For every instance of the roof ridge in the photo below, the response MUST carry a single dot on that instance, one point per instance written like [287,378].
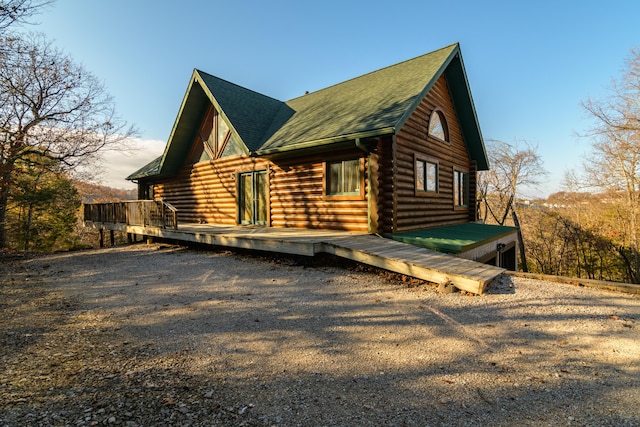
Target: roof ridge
[375,71]
[199,71]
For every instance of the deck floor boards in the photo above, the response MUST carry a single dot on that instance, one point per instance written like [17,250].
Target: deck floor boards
[366,248]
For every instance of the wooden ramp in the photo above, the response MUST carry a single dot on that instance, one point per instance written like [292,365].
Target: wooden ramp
[416,262]
[368,249]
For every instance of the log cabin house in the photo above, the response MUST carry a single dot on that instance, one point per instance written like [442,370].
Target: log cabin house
[393,152]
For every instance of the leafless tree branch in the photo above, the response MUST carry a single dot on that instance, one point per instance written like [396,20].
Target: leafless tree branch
[19,11]
[51,108]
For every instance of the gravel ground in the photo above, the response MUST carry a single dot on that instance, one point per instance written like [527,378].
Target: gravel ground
[160,335]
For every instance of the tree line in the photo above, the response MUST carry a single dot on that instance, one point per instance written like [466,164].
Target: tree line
[592,229]
[579,235]
[55,119]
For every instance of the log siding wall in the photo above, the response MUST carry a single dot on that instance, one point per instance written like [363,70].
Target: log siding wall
[387,202]
[206,192]
[298,200]
[414,211]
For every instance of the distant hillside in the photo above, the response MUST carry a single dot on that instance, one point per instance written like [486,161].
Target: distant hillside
[93,193]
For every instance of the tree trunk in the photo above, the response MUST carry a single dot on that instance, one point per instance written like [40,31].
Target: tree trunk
[508,207]
[523,256]
[5,181]
[27,227]
[3,215]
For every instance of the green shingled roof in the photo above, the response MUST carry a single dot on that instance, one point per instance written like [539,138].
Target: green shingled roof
[374,103]
[249,113]
[371,105]
[150,169]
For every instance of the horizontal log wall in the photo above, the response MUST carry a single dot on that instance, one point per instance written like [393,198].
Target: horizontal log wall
[207,192]
[419,211]
[297,196]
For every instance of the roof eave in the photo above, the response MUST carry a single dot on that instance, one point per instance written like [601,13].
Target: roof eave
[467,115]
[149,177]
[176,123]
[322,143]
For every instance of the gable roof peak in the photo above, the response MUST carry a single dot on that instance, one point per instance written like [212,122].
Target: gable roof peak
[204,76]
[247,112]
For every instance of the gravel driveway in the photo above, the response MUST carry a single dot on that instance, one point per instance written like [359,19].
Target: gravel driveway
[158,335]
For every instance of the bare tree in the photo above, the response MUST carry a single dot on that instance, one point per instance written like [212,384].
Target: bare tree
[18,11]
[513,166]
[614,164]
[50,109]
[620,111]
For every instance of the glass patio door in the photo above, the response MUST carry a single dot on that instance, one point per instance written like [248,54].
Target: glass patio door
[253,198]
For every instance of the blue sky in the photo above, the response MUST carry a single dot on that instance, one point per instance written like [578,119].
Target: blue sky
[529,64]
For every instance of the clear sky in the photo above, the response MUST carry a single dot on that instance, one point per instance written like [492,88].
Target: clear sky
[529,64]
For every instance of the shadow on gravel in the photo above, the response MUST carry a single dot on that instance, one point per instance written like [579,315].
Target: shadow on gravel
[501,285]
[180,337]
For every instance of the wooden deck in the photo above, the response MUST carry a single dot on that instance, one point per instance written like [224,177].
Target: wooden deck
[368,249]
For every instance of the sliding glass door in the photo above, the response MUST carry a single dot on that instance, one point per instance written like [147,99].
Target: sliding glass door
[253,198]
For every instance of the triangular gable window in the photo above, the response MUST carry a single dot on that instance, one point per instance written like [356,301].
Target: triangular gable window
[214,139]
[233,147]
[198,153]
[222,132]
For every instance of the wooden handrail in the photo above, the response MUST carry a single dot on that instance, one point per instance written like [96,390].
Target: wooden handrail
[172,220]
[153,213]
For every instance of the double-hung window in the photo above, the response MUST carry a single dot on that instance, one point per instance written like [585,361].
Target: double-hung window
[344,178]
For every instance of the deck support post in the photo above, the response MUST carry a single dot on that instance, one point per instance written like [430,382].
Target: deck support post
[112,237]
[101,238]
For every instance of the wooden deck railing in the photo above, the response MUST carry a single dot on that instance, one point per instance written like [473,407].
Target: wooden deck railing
[153,213]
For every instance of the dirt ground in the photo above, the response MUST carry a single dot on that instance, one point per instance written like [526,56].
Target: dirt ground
[160,335]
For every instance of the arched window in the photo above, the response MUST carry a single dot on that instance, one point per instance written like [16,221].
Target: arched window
[438,126]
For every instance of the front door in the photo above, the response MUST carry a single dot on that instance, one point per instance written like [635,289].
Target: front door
[253,198]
